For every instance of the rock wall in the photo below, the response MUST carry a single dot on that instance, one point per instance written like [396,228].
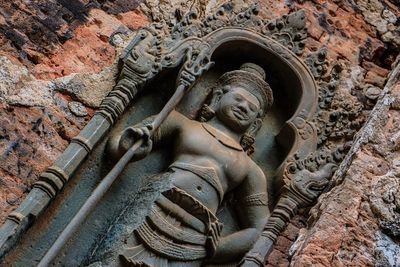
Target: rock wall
[59,60]
[357,222]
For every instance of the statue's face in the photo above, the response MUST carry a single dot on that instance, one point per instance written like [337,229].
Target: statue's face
[238,109]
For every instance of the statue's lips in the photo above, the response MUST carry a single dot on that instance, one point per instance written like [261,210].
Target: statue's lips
[239,114]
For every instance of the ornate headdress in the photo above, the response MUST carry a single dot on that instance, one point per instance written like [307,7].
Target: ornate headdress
[252,78]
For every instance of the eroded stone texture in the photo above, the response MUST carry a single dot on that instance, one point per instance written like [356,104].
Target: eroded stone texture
[31,138]
[57,38]
[90,89]
[357,223]
[387,252]
[281,254]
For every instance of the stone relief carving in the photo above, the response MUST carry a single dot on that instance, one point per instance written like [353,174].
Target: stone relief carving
[305,185]
[190,43]
[338,117]
[209,161]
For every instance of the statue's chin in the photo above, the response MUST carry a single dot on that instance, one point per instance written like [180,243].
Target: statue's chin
[233,123]
[238,128]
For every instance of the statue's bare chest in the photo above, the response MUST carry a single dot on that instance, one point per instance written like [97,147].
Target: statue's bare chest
[231,163]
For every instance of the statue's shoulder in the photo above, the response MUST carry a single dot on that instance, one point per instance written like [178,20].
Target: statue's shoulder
[177,119]
[182,120]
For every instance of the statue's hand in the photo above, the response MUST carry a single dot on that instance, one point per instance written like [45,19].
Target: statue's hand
[134,134]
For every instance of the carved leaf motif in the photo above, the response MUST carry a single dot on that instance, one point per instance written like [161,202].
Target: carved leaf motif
[289,30]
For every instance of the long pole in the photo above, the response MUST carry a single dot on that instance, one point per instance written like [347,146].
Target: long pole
[105,184]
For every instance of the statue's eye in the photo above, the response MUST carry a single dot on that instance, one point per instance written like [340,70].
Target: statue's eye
[253,108]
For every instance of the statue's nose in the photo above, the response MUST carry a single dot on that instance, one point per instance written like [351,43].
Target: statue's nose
[242,106]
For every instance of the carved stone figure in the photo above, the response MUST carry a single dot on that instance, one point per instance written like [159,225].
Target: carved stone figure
[297,148]
[210,159]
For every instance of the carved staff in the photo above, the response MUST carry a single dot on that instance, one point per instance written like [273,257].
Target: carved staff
[193,67]
[302,190]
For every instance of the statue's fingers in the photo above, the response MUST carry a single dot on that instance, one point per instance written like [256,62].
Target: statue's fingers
[138,132]
[146,133]
[149,146]
[214,229]
[131,132]
[150,127]
[218,228]
[209,241]
[214,244]
[214,236]
[210,235]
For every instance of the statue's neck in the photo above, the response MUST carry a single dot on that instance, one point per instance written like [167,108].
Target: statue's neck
[216,123]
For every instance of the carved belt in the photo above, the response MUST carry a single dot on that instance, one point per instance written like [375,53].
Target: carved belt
[177,227]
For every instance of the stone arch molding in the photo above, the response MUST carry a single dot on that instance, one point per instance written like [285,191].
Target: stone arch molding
[191,45]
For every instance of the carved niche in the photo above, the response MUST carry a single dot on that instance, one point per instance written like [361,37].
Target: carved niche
[290,147]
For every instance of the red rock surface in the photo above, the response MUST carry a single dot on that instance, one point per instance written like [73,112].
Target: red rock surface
[350,220]
[56,38]
[89,50]
[30,140]
[280,254]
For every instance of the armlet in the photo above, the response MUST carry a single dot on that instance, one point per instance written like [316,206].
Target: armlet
[259,199]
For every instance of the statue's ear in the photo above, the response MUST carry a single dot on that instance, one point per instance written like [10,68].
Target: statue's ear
[207,111]
[254,127]
[216,96]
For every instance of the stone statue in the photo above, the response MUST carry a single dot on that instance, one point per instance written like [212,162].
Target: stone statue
[210,159]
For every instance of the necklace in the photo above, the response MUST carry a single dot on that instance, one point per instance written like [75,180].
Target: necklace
[222,137]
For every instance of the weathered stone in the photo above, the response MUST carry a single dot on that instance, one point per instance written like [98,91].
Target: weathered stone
[375,13]
[90,89]
[282,244]
[18,87]
[77,108]
[373,78]
[369,66]
[350,238]
[277,258]
[387,251]
[372,92]
[10,75]
[30,140]
[291,232]
[48,35]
